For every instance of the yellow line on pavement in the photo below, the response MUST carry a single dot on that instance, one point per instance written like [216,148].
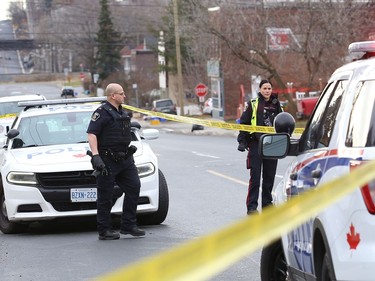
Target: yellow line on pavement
[228,178]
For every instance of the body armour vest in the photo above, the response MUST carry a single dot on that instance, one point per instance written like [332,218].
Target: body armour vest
[117,135]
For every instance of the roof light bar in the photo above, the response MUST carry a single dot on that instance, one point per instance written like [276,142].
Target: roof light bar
[61,101]
[365,46]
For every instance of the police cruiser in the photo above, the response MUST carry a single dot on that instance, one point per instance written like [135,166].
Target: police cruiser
[46,173]
[339,242]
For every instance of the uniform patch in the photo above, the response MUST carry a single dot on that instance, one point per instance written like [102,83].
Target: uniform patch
[95,116]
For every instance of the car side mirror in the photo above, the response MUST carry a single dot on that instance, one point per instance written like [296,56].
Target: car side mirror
[150,134]
[274,146]
[135,124]
[12,133]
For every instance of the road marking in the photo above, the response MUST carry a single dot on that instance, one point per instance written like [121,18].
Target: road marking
[233,179]
[205,155]
[228,178]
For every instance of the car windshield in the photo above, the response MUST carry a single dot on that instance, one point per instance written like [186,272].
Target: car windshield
[164,103]
[62,128]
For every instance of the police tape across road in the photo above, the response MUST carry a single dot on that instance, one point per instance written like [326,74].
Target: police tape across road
[204,257]
[208,123]
[189,120]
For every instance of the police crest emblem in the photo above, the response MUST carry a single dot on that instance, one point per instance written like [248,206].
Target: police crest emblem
[95,116]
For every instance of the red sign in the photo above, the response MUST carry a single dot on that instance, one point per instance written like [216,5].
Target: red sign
[201,90]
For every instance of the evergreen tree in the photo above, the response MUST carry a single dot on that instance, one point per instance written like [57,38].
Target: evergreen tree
[108,59]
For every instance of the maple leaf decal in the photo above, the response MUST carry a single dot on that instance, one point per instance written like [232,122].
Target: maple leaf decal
[80,155]
[353,238]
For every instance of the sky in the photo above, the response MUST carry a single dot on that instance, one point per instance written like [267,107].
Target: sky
[4,9]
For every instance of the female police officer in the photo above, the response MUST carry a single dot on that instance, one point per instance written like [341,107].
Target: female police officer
[259,112]
[109,136]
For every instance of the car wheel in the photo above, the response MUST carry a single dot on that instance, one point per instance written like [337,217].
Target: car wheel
[272,263]
[159,216]
[6,226]
[327,269]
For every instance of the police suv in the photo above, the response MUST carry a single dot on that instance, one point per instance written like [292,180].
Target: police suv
[339,242]
[46,173]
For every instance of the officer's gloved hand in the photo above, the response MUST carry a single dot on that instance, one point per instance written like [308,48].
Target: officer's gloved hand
[242,147]
[97,162]
[132,149]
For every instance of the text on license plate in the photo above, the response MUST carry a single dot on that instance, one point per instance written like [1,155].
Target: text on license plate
[83,195]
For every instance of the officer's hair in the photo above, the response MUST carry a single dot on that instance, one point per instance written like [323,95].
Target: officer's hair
[264,81]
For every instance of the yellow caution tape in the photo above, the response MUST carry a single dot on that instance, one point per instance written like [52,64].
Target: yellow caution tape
[8,115]
[208,123]
[202,258]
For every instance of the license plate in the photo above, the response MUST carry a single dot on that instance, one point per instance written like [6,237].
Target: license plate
[83,195]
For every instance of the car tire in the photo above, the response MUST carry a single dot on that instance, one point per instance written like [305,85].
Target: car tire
[6,226]
[273,265]
[159,216]
[327,273]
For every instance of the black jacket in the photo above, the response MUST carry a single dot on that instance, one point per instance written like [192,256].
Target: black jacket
[274,108]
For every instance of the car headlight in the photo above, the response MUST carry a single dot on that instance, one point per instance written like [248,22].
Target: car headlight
[145,170]
[23,178]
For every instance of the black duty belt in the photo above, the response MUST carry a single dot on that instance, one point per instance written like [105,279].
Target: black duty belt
[118,155]
[115,155]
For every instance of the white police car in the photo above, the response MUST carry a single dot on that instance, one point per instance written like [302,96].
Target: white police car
[339,242]
[46,174]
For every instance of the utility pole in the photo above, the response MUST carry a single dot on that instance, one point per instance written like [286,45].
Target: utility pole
[178,57]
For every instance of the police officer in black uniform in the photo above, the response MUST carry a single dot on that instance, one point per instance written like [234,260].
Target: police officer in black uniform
[259,112]
[109,135]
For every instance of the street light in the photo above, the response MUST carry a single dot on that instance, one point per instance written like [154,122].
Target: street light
[213,66]
[214,9]
[178,57]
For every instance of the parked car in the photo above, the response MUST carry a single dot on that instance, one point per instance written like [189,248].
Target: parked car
[207,107]
[68,91]
[47,175]
[164,106]
[9,109]
[339,242]
[305,107]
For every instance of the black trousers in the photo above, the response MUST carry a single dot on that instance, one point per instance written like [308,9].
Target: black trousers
[125,174]
[259,167]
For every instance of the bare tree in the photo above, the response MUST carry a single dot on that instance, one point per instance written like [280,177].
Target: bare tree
[70,30]
[319,33]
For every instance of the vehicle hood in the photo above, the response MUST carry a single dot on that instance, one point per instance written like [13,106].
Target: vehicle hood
[55,154]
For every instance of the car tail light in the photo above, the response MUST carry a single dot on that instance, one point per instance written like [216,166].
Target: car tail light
[368,190]
[368,193]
